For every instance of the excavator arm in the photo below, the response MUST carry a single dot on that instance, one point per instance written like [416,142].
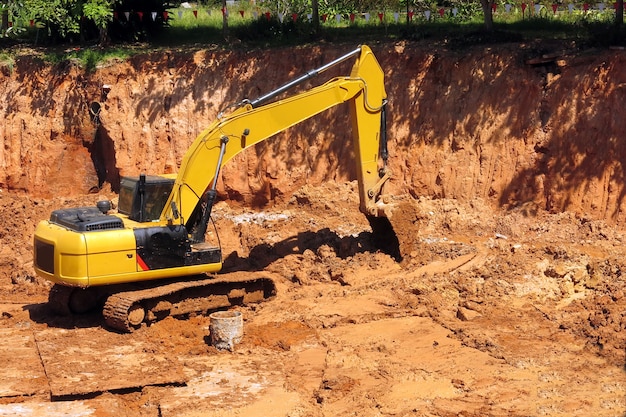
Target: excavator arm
[252,122]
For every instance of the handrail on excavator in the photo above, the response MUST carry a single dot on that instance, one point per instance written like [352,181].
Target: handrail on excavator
[310,74]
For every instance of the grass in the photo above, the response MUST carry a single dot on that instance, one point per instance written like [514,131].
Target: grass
[7,60]
[87,58]
[254,29]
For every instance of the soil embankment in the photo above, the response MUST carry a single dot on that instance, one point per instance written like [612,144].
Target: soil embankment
[510,303]
[478,123]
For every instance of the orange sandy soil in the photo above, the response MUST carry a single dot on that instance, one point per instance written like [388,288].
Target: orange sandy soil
[509,300]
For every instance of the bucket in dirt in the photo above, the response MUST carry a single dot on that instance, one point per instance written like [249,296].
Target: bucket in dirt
[226,329]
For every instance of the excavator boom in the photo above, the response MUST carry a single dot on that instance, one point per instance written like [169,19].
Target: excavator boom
[252,123]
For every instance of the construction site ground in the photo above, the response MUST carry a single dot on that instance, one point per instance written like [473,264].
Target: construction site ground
[494,309]
[490,314]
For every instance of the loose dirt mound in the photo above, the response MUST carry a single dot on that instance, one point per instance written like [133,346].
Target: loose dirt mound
[509,298]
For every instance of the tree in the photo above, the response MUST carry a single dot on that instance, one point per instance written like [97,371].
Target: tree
[65,18]
[224,20]
[4,26]
[315,16]
[10,11]
[101,12]
[488,14]
[71,20]
[56,15]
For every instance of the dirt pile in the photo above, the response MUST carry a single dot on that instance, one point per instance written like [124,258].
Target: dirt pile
[509,300]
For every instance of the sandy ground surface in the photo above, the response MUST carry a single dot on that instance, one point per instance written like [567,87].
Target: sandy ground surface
[509,299]
[517,313]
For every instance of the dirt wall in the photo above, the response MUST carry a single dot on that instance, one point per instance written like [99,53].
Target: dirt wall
[480,122]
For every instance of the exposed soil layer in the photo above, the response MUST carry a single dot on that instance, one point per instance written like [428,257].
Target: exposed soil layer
[509,298]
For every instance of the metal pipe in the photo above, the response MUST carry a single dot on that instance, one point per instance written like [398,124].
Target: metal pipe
[211,195]
[384,153]
[303,78]
[223,142]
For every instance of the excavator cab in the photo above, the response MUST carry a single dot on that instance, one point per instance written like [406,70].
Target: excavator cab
[143,198]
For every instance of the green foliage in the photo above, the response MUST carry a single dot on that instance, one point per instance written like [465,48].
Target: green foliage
[263,30]
[60,17]
[287,7]
[468,11]
[603,34]
[10,10]
[87,58]
[100,11]
[202,28]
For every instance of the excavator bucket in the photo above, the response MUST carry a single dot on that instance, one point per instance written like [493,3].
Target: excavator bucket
[384,236]
[396,233]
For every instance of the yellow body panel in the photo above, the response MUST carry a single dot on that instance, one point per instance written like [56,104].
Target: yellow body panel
[85,259]
[154,274]
[69,260]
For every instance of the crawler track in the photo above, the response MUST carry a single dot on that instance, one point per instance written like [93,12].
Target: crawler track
[127,308]
[59,300]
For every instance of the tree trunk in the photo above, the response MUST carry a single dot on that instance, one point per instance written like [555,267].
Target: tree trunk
[5,21]
[315,16]
[487,12]
[224,19]
[104,36]
[619,13]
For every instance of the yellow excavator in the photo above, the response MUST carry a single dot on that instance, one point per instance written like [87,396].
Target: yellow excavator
[151,258]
